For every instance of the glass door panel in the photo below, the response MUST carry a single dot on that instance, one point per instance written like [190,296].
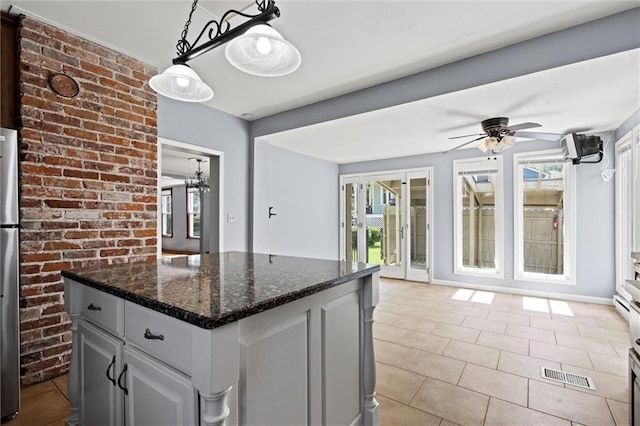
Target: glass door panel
[384,230]
[417,232]
[350,222]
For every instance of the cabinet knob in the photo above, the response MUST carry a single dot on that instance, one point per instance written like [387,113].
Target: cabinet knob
[93,307]
[149,335]
[637,341]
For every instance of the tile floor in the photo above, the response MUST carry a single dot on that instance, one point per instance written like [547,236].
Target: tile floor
[44,404]
[450,356]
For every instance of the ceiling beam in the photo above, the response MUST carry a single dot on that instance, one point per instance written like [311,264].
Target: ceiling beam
[602,37]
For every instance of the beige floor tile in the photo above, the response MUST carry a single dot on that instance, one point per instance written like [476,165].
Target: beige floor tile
[547,324]
[519,310]
[417,324]
[585,343]
[393,413]
[576,319]
[62,383]
[388,332]
[435,366]
[444,317]
[390,353]
[396,383]
[622,348]
[446,422]
[502,413]
[468,352]
[439,305]
[451,402]
[455,332]
[560,354]
[386,317]
[620,411]
[424,342]
[613,323]
[526,366]
[604,334]
[41,408]
[406,310]
[471,311]
[537,334]
[491,382]
[509,318]
[569,404]
[504,342]
[386,307]
[610,364]
[408,300]
[485,324]
[496,306]
[607,385]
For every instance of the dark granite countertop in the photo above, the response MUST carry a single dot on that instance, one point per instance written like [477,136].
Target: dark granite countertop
[212,290]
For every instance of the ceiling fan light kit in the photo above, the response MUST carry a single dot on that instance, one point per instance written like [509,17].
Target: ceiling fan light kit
[499,136]
[253,47]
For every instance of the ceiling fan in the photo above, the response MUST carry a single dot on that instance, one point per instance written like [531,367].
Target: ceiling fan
[498,135]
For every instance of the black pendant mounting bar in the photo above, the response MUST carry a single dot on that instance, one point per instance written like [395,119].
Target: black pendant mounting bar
[223,31]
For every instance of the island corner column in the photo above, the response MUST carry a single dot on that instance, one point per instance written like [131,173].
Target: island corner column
[370,294]
[216,370]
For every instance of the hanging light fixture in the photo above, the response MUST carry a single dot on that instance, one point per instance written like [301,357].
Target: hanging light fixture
[256,49]
[197,180]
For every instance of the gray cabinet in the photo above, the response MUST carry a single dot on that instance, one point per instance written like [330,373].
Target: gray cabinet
[121,384]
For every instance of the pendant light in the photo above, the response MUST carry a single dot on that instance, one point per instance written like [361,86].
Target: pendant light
[181,83]
[254,47]
[262,51]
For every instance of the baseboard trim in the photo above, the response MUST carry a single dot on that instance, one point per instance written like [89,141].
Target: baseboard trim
[524,292]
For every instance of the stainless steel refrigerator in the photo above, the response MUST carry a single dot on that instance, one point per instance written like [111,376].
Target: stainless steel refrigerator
[9,275]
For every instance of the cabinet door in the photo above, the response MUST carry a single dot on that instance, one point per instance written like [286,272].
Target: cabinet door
[101,402]
[156,394]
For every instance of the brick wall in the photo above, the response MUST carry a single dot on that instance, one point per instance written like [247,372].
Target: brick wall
[88,179]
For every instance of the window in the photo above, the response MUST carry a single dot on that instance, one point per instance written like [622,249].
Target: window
[544,217]
[193,213]
[478,216]
[167,213]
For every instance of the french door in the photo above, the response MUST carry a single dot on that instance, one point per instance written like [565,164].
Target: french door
[385,221]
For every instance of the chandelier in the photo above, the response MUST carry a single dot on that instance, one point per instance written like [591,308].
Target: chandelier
[197,180]
[253,47]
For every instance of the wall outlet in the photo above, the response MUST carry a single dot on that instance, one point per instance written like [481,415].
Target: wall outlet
[231,218]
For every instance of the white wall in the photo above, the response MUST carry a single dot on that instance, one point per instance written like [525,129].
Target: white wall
[594,223]
[303,192]
[203,126]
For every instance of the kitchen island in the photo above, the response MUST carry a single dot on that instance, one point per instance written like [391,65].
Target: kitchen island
[225,338]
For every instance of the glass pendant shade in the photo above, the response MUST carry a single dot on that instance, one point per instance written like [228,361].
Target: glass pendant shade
[262,51]
[181,83]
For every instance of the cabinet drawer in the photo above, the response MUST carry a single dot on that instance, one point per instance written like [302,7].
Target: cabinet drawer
[101,308]
[167,339]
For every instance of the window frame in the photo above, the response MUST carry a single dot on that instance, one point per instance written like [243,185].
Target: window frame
[163,193]
[191,215]
[569,220]
[479,165]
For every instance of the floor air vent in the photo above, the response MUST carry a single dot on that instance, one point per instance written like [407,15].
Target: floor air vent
[568,378]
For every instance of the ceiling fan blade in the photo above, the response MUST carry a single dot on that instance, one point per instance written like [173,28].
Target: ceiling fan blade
[466,143]
[468,136]
[541,136]
[522,126]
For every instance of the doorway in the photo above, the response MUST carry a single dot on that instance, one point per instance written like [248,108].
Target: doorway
[184,228]
[385,220]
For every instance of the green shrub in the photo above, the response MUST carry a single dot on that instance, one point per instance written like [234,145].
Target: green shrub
[373,236]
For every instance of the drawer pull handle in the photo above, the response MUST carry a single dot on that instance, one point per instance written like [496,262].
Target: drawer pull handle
[112,365]
[120,377]
[149,335]
[93,307]
[637,341]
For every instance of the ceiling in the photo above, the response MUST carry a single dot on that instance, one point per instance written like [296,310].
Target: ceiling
[350,45]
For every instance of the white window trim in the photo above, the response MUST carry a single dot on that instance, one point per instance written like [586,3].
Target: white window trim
[164,193]
[569,277]
[191,215]
[479,164]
